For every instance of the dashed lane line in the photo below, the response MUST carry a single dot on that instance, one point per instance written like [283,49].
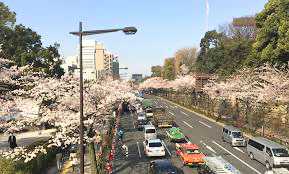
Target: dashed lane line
[239,149]
[237,157]
[138,149]
[208,147]
[171,113]
[184,113]
[166,148]
[188,124]
[205,124]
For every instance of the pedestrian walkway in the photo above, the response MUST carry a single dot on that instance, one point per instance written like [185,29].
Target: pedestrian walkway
[26,138]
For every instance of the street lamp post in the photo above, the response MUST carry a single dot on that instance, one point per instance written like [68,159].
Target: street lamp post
[80,33]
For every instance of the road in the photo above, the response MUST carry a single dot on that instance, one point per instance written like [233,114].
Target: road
[197,129]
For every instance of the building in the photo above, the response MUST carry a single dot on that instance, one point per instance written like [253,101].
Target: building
[137,77]
[97,62]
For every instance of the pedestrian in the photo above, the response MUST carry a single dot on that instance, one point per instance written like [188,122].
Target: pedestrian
[98,141]
[73,159]
[59,160]
[12,141]
[120,134]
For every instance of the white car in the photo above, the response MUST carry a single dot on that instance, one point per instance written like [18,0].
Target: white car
[154,147]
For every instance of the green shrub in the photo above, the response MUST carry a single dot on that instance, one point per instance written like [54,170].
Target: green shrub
[36,166]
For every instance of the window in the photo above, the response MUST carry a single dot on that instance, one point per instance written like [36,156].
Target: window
[256,145]
[150,131]
[281,152]
[268,151]
[237,135]
[190,151]
[156,144]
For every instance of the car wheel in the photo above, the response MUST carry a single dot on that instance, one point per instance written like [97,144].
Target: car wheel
[251,156]
[267,165]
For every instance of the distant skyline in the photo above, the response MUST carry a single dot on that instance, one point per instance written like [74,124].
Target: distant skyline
[163,26]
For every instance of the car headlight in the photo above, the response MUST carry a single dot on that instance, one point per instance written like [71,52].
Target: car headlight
[277,162]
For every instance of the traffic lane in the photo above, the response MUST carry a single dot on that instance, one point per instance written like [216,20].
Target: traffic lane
[212,135]
[194,120]
[137,162]
[174,158]
[216,136]
[209,149]
[133,163]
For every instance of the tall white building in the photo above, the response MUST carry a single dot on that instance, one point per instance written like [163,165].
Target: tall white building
[96,61]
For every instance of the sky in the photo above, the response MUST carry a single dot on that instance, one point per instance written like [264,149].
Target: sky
[163,25]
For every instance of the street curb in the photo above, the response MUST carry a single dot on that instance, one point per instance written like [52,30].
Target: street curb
[200,115]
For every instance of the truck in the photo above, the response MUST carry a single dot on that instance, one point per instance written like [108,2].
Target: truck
[217,165]
[161,118]
[147,103]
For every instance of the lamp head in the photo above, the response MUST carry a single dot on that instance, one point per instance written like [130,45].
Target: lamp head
[129,30]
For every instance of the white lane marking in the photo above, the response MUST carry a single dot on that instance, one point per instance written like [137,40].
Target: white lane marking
[236,157]
[167,148]
[239,149]
[138,149]
[210,148]
[172,113]
[151,123]
[205,124]
[184,113]
[188,124]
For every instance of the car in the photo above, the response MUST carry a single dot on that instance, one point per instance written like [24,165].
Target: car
[189,154]
[150,132]
[162,167]
[154,147]
[175,135]
[140,123]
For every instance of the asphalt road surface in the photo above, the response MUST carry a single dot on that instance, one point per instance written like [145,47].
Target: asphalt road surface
[198,130]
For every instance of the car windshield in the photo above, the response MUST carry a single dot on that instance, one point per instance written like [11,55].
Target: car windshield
[167,170]
[190,151]
[150,131]
[149,111]
[237,135]
[280,152]
[156,144]
[142,122]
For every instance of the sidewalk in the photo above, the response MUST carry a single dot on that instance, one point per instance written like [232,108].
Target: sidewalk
[67,168]
[26,138]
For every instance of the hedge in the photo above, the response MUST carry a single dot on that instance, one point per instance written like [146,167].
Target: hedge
[36,166]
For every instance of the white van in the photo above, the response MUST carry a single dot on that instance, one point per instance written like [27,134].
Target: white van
[268,152]
[233,136]
[150,132]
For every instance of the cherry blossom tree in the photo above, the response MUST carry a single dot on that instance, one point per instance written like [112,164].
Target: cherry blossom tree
[56,102]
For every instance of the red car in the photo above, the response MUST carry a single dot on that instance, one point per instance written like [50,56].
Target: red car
[189,154]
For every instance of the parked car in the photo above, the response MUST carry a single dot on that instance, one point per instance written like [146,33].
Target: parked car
[162,167]
[150,132]
[233,136]
[154,148]
[175,135]
[268,152]
[189,154]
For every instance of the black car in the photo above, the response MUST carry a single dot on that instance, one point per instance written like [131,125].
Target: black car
[140,123]
[162,167]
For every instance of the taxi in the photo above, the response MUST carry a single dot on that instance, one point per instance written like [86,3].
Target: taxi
[189,154]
